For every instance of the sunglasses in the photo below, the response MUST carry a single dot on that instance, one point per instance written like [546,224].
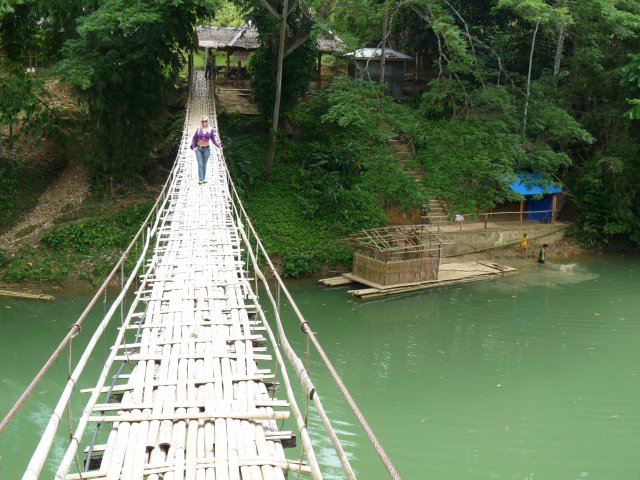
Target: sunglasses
[205,121]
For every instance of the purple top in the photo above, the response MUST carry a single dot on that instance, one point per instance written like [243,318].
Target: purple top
[209,136]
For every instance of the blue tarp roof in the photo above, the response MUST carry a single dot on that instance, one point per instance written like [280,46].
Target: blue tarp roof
[530,184]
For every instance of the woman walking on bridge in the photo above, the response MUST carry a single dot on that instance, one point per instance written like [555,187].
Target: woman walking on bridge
[200,145]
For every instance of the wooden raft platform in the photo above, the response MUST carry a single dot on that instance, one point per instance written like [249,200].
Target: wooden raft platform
[450,274]
[197,404]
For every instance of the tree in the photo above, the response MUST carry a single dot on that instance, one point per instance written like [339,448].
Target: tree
[537,12]
[286,54]
[17,94]
[631,80]
[124,61]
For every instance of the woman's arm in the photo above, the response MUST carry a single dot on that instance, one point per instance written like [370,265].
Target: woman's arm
[213,139]
[194,140]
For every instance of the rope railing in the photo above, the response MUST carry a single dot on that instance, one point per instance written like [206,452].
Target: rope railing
[252,255]
[46,441]
[304,325]
[296,364]
[44,446]
[76,327]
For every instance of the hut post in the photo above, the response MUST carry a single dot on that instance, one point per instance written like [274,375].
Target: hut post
[553,208]
[521,210]
[384,270]
[228,61]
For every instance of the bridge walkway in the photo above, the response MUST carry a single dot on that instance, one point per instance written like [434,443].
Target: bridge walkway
[188,388]
[194,364]
[196,404]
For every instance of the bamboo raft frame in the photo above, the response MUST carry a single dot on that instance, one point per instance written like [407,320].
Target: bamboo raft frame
[196,404]
[398,255]
[450,274]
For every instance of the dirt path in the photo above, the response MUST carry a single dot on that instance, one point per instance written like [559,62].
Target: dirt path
[65,194]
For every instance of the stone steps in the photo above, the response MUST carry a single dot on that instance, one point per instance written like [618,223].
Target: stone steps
[435,210]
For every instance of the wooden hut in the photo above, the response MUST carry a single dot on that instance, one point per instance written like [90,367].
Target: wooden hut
[367,62]
[239,42]
[398,255]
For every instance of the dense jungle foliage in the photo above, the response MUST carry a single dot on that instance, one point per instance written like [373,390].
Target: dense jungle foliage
[506,86]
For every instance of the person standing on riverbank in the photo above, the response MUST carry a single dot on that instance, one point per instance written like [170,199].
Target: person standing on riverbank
[542,253]
[210,67]
[524,241]
[200,145]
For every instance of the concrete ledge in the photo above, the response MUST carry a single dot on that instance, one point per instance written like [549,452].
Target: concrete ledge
[478,240]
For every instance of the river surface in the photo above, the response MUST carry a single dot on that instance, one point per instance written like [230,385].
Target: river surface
[530,377]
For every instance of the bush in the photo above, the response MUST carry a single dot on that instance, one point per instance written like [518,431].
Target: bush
[109,232]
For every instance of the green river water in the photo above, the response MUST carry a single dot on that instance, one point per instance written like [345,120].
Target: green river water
[530,377]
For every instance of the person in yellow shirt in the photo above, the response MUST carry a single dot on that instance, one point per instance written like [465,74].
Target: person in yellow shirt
[524,241]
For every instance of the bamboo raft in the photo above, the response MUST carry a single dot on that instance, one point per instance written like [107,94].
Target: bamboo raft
[197,401]
[450,274]
[28,296]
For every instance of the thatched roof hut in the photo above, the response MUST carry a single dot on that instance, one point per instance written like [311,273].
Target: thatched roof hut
[215,37]
[240,41]
[246,38]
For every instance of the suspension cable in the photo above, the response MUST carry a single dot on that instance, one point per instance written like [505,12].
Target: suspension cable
[304,325]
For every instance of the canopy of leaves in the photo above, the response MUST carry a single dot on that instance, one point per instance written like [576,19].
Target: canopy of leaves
[125,60]
[573,64]
[263,64]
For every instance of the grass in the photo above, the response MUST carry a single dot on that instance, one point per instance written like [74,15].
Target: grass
[299,234]
[198,60]
[89,248]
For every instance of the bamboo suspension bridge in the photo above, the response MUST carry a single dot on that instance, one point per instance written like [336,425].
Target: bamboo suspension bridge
[188,390]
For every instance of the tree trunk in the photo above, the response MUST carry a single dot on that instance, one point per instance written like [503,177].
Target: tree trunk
[385,23]
[276,107]
[526,103]
[559,48]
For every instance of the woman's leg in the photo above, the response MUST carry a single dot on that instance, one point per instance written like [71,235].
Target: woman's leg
[201,163]
[205,157]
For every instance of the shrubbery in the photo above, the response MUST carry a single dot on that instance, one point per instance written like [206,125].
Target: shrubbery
[96,244]
[114,231]
[329,179]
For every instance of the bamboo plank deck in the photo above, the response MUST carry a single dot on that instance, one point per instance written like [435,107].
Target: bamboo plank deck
[194,403]
[449,274]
